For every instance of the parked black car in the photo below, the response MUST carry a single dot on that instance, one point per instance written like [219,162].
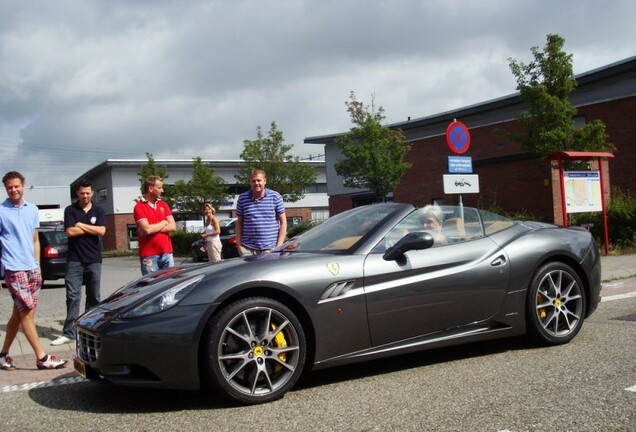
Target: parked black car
[53,250]
[228,240]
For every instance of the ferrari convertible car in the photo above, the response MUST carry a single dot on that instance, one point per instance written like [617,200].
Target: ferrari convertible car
[371,282]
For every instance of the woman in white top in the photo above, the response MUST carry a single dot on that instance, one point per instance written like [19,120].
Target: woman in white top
[211,239]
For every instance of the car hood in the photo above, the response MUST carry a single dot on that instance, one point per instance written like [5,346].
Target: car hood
[147,286]
[216,278]
[139,290]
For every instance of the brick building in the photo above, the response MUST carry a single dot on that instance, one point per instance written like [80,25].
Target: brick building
[508,177]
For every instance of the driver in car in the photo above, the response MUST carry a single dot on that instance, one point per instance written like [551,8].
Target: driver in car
[432,220]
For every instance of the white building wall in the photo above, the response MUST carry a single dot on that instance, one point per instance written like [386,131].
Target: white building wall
[50,196]
[126,189]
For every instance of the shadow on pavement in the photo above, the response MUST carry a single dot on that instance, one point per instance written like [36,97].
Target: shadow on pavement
[96,397]
[104,398]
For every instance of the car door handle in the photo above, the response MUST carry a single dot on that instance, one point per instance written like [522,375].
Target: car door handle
[499,261]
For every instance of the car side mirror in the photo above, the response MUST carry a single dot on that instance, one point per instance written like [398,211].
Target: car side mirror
[411,241]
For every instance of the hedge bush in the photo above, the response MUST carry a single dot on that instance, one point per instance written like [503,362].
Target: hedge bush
[181,242]
[294,230]
[621,220]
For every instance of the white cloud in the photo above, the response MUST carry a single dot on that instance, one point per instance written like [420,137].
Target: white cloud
[81,82]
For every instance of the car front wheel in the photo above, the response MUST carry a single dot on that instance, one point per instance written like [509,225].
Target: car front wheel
[556,304]
[255,350]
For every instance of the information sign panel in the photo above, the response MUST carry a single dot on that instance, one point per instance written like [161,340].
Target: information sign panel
[460,164]
[582,191]
[461,184]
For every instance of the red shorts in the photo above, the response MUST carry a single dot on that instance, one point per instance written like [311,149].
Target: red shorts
[24,287]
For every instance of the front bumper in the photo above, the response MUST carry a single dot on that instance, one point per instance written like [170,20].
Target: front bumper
[592,262]
[158,351]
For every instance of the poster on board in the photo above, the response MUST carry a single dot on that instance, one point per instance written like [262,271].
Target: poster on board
[582,191]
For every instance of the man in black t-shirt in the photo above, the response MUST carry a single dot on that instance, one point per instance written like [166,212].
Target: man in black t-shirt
[85,224]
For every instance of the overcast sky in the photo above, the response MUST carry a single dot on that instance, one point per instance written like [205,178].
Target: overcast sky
[82,81]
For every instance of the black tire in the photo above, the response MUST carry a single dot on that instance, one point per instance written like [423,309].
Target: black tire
[556,304]
[254,351]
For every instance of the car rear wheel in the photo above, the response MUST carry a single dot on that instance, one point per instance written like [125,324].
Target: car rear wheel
[255,350]
[556,304]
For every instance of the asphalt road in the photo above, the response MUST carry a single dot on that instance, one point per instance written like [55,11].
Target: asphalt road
[497,386]
[506,385]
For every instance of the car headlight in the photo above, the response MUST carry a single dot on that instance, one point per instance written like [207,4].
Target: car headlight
[165,300]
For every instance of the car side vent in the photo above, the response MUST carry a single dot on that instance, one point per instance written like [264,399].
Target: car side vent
[337,289]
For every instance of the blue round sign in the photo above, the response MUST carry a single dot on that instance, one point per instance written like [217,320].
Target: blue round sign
[458,137]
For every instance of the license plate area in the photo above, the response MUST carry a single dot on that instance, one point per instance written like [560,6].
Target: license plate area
[80,367]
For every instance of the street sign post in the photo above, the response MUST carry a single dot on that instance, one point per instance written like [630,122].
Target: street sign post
[458,140]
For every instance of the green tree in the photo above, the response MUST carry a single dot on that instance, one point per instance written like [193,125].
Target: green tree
[545,84]
[150,169]
[374,154]
[204,187]
[286,174]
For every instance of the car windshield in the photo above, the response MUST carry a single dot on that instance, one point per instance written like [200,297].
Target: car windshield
[226,222]
[342,231]
[455,224]
[229,229]
[56,237]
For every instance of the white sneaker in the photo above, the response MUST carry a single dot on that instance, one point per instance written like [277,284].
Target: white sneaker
[62,340]
[51,362]
[6,363]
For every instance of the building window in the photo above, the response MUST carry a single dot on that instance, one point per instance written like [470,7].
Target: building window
[102,194]
[579,122]
[316,188]
[319,215]
[131,236]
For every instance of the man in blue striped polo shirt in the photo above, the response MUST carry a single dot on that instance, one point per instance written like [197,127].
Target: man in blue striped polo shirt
[261,221]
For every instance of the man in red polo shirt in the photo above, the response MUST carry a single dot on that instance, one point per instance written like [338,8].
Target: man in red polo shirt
[154,223]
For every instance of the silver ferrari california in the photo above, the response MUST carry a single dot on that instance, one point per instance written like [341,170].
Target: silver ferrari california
[376,281]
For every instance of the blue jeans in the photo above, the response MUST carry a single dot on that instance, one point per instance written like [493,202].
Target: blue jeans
[153,263]
[77,274]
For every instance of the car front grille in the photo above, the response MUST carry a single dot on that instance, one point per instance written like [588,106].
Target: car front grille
[88,346]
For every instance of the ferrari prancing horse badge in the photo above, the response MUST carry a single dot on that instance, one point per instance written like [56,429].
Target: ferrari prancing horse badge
[334,268]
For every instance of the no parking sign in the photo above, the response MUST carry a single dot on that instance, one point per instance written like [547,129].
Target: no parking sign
[458,137]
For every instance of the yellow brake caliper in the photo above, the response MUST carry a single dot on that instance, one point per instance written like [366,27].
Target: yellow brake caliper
[542,312]
[279,342]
